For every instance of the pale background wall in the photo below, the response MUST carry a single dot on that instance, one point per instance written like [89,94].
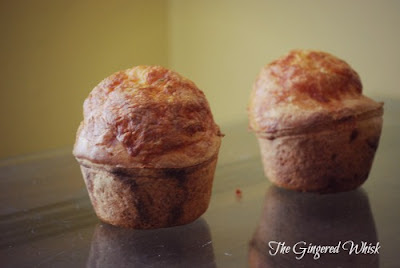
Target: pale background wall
[54,52]
[223,44]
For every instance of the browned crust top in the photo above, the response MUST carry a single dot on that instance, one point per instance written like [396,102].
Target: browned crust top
[147,116]
[304,88]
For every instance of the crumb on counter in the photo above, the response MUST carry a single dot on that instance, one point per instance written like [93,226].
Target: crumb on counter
[238,193]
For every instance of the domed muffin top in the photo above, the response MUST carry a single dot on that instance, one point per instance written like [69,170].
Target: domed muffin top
[304,88]
[147,116]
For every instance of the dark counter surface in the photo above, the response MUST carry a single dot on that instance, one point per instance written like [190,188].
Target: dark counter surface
[46,219]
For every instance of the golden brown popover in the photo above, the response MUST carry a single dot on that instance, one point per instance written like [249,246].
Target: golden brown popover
[148,147]
[317,131]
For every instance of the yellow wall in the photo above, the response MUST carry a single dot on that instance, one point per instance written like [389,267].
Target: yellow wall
[54,52]
[222,44]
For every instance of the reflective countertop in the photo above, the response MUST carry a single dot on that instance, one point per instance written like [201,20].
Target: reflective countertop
[46,219]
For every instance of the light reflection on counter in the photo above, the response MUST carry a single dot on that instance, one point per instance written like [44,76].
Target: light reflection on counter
[179,246]
[292,217]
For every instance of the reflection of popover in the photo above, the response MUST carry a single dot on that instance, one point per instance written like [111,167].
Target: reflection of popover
[182,246]
[304,220]
[148,147]
[316,130]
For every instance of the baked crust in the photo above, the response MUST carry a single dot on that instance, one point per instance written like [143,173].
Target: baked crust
[150,198]
[306,89]
[147,117]
[335,159]
[316,130]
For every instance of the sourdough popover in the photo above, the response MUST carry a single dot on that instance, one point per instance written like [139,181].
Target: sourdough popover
[148,146]
[316,130]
